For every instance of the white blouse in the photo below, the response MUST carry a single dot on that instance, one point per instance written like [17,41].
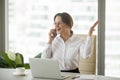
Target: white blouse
[68,53]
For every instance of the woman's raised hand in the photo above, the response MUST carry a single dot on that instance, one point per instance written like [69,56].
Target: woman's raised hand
[92,28]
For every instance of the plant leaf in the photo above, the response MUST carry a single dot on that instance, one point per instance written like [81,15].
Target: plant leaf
[11,55]
[27,66]
[19,60]
[10,63]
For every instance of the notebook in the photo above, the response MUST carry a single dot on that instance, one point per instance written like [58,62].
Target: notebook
[45,68]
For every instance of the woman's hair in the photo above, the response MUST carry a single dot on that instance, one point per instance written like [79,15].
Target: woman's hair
[66,18]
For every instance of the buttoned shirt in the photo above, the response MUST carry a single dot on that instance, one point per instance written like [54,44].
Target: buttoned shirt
[68,53]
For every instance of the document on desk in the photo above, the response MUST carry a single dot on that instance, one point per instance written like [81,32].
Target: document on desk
[82,79]
[85,77]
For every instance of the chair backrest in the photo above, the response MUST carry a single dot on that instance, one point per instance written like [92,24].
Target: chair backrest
[88,66]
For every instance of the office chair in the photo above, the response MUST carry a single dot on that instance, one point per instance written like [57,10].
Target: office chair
[88,66]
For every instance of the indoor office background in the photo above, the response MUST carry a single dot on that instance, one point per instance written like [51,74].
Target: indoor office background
[24,26]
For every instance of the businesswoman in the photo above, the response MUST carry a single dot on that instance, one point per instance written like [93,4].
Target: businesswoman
[65,46]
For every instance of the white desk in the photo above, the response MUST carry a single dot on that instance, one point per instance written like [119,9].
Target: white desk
[7,74]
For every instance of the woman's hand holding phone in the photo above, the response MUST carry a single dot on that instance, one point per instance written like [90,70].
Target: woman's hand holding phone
[52,35]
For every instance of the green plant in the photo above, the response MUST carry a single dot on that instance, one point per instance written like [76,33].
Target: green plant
[13,60]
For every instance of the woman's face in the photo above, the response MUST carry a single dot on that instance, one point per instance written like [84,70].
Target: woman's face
[60,26]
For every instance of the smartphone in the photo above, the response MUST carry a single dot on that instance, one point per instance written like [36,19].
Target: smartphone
[55,34]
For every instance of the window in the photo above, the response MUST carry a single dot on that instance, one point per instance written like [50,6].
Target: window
[112,41]
[29,22]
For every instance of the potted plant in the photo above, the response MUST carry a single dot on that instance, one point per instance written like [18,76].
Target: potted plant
[13,60]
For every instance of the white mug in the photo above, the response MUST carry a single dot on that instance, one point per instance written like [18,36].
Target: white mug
[20,70]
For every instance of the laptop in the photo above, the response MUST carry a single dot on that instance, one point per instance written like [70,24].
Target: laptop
[45,68]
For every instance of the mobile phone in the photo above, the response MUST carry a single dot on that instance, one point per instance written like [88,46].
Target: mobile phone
[55,34]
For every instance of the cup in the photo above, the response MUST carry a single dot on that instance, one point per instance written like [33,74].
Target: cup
[20,70]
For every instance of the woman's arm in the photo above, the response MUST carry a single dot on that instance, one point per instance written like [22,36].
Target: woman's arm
[47,53]
[86,47]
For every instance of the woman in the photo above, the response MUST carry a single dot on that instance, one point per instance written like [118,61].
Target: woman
[65,46]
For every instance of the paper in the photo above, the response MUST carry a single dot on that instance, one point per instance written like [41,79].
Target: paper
[85,77]
[82,79]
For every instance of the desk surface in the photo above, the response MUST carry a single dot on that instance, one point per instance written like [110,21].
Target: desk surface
[7,74]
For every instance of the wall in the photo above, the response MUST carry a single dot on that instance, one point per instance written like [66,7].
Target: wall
[2,25]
